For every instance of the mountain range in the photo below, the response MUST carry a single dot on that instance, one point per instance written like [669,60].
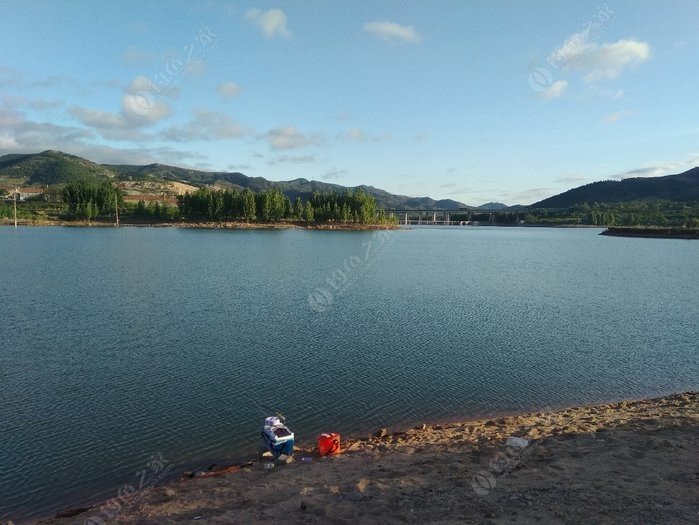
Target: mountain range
[55,167]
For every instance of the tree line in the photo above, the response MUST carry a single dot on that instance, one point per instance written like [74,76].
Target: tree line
[630,213]
[88,199]
[351,206]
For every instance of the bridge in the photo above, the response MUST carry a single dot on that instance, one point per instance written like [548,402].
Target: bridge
[444,217]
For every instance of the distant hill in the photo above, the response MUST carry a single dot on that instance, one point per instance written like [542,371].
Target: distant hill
[49,167]
[493,206]
[303,188]
[54,167]
[682,187]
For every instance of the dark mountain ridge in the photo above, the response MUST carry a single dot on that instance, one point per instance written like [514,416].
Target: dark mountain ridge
[683,187]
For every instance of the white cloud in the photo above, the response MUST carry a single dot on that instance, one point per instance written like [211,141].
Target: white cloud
[572,179]
[616,116]
[292,159]
[355,134]
[392,31]
[609,60]
[272,22]
[228,90]
[660,169]
[555,90]
[98,119]
[333,174]
[574,46]
[238,167]
[206,125]
[53,81]
[21,135]
[8,142]
[289,137]
[139,108]
[359,135]
[527,196]
[598,62]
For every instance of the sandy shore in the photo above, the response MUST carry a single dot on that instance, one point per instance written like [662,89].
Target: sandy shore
[628,462]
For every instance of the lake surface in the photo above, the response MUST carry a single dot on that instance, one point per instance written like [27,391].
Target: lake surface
[121,345]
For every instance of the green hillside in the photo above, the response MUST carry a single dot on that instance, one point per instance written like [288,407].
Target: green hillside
[681,188]
[48,168]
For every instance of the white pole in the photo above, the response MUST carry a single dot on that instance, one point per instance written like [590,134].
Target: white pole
[15,201]
[116,207]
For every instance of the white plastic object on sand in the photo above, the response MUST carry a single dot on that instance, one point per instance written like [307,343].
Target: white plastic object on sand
[516,442]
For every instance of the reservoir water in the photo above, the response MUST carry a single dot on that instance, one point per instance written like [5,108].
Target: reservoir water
[121,345]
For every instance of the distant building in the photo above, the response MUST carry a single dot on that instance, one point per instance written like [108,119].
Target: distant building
[25,193]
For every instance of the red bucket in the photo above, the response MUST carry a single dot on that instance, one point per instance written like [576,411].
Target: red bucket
[328,444]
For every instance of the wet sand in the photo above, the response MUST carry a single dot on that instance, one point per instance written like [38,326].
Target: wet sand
[627,462]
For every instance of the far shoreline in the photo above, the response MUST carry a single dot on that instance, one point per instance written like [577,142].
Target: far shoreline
[654,232]
[205,225]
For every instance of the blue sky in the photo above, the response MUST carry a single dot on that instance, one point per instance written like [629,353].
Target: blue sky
[474,101]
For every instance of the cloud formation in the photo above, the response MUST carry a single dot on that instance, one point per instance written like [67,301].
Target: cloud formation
[359,135]
[572,179]
[599,62]
[206,125]
[272,22]
[22,135]
[228,90]
[292,159]
[139,109]
[555,90]
[616,116]
[333,174]
[289,137]
[392,31]
[660,169]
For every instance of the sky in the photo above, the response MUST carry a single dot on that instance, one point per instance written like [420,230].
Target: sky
[472,101]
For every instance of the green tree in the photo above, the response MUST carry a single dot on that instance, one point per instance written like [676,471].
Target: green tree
[309,213]
[298,209]
[88,199]
[249,208]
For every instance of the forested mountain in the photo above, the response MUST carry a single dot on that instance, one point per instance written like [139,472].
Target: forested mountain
[683,187]
[55,167]
[49,167]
